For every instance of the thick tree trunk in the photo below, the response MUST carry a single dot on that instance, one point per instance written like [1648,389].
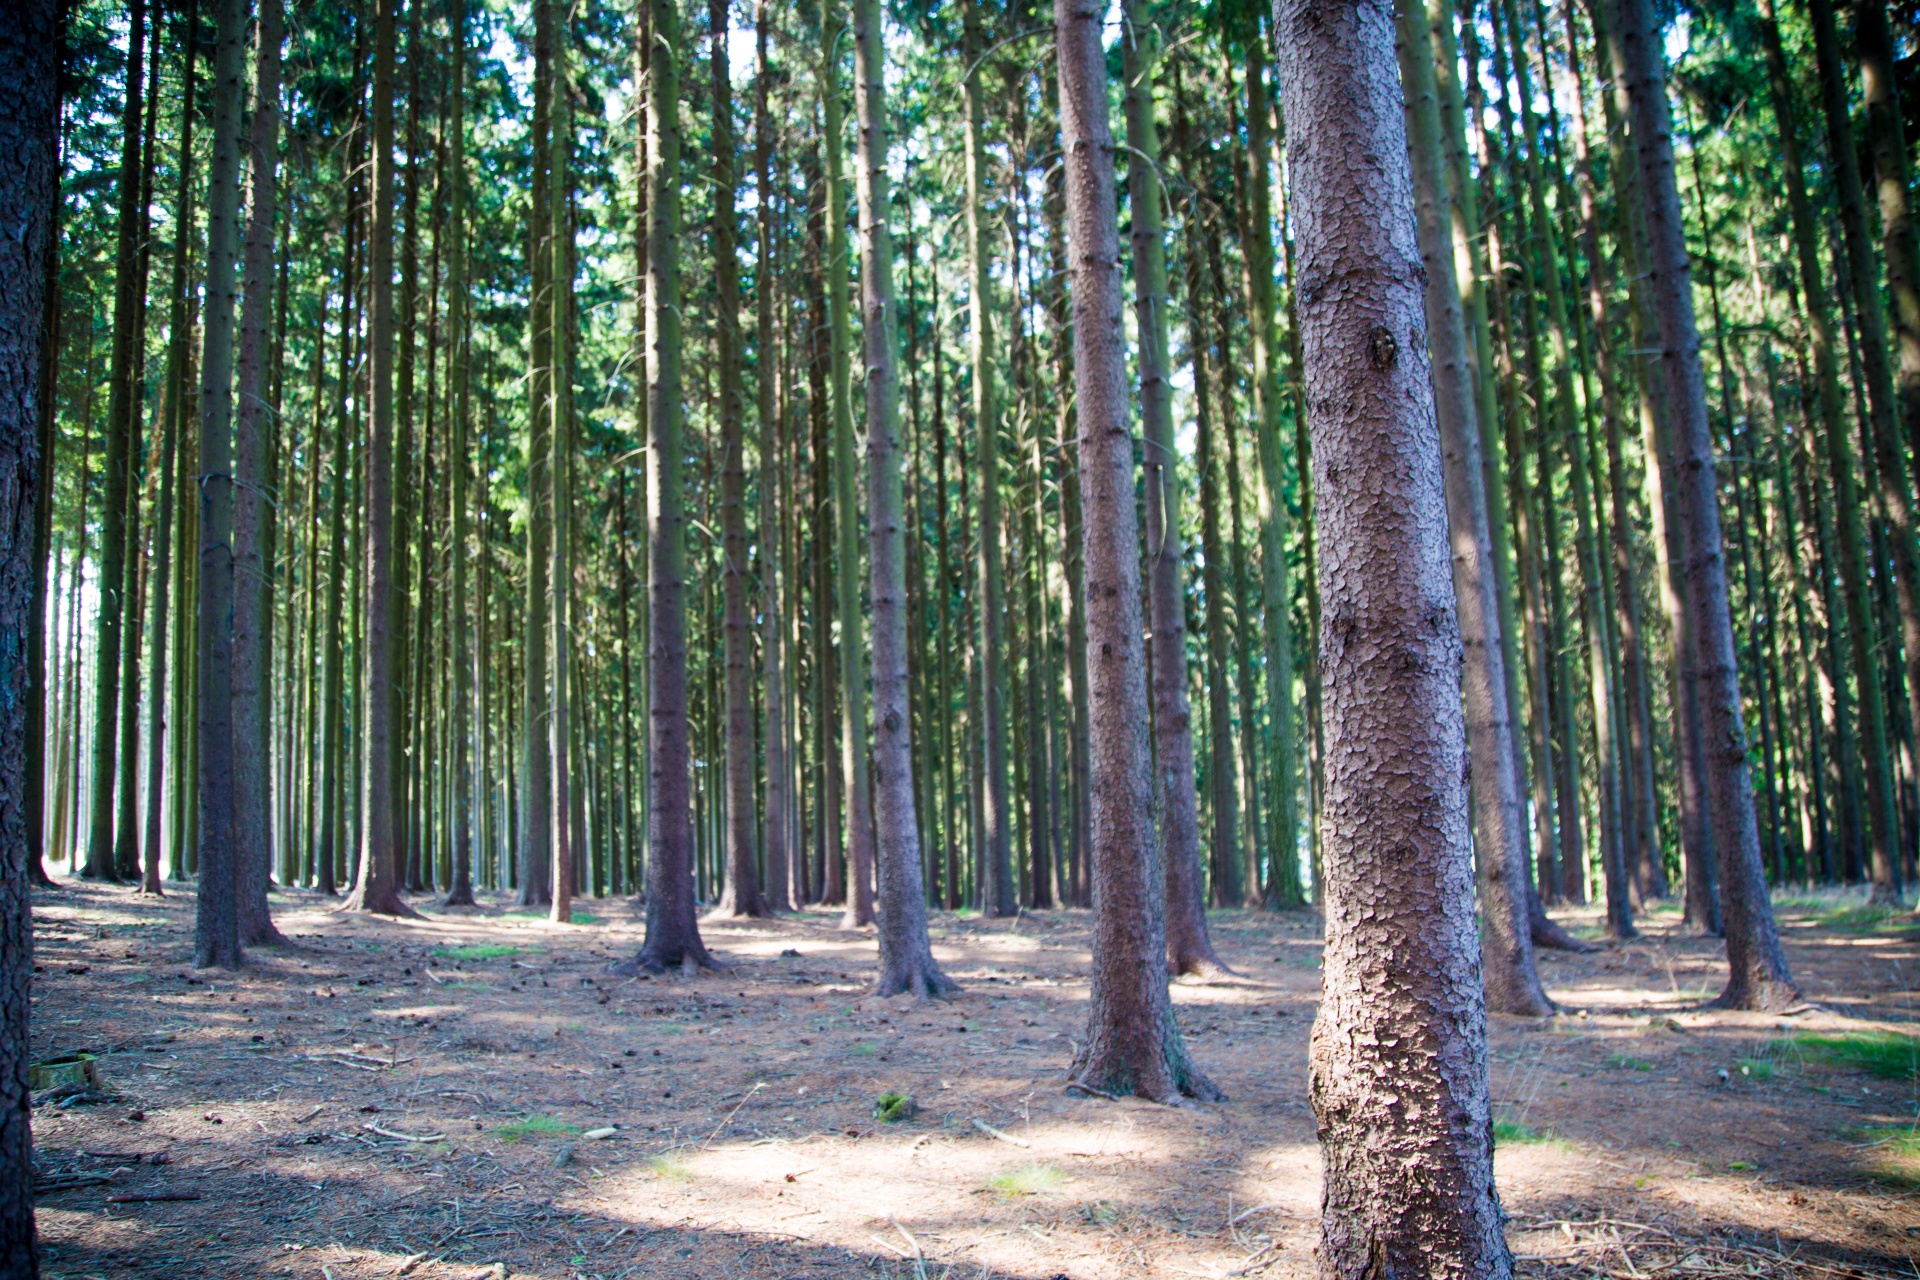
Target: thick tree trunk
[741,894]
[1499,823]
[906,953]
[1408,1182]
[377,886]
[253,508]
[996,889]
[1133,1045]
[673,932]
[216,924]
[1758,977]
[1189,947]
[30,41]
[536,758]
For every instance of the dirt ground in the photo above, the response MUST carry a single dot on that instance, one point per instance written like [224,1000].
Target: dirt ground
[469,1095]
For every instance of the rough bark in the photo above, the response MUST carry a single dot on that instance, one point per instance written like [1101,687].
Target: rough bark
[559,413]
[1758,977]
[1133,1045]
[466,660]
[906,953]
[1405,1131]
[673,932]
[1499,824]
[1189,946]
[536,774]
[29,208]
[779,884]
[254,507]
[216,938]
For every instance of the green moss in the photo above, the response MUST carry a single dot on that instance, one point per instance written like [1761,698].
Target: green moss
[891,1108]
[1886,1054]
[1626,1062]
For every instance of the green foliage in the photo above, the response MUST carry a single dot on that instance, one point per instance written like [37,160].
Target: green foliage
[1626,1062]
[1886,1054]
[892,1108]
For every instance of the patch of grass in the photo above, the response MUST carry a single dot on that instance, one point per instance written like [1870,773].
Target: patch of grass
[1755,1068]
[862,1047]
[1027,1180]
[1891,1155]
[1866,918]
[535,1127]
[1626,1062]
[481,951]
[1100,1212]
[1514,1131]
[669,1167]
[1886,1054]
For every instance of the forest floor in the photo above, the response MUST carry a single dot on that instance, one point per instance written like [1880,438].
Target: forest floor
[1637,1131]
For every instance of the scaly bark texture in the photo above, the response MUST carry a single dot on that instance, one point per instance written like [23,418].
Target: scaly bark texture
[1499,825]
[29,206]
[906,953]
[253,506]
[1189,946]
[673,932]
[1133,1045]
[1399,1057]
[1757,977]
[216,937]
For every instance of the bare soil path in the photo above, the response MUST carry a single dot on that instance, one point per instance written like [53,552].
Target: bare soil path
[469,1095]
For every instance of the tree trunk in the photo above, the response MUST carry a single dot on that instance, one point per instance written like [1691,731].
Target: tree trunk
[123,389]
[216,923]
[377,886]
[741,894]
[1133,1045]
[998,896]
[536,753]
[673,933]
[467,660]
[906,953]
[1758,976]
[1499,824]
[1408,1182]
[1189,946]
[253,509]
[31,38]
[562,827]
[779,890]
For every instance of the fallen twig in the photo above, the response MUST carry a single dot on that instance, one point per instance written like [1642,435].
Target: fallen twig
[149,1197]
[992,1132]
[370,1127]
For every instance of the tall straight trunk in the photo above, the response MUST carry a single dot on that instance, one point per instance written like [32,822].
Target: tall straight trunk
[1133,1045]
[1572,432]
[1758,977]
[852,645]
[1283,875]
[1883,831]
[563,827]
[467,710]
[216,938]
[775,847]
[1189,946]
[906,953]
[536,757]
[1228,887]
[253,507]
[333,679]
[1408,1181]
[1499,823]
[175,398]
[377,886]
[123,391]
[673,933]
[31,38]
[741,894]
[999,897]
